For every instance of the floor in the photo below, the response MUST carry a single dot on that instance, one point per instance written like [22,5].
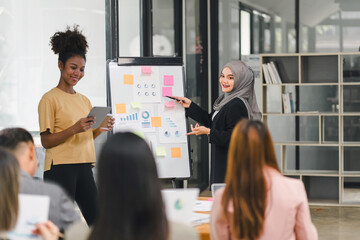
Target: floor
[332,223]
[335,223]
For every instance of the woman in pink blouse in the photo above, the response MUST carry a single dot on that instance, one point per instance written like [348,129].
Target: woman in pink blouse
[258,202]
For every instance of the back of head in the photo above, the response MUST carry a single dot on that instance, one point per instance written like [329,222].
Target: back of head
[130,203]
[69,43]
[9,190]
[251,150]
[11,138]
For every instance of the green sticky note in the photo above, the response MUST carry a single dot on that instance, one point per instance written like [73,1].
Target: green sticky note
[140,134]
[136,105]
[160,152]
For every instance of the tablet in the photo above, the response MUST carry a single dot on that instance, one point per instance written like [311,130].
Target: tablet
[100,114]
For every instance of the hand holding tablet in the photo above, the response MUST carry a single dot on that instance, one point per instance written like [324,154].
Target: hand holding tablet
[100,113]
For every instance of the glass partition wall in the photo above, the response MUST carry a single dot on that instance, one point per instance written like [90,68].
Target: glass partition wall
[329,26]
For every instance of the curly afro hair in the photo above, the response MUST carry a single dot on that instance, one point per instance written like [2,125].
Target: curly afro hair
[69,43]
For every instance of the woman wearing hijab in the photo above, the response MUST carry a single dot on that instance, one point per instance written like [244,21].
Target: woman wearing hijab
[237,101]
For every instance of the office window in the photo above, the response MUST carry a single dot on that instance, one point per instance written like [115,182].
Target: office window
[28,67]
[245,33]
[327,38]
[331,27]
[229,29]
[163,28]
[129,28]
[196,70]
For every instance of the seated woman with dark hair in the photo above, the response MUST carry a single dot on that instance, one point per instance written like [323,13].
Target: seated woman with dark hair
[130,204]
[257,201]
[9,201]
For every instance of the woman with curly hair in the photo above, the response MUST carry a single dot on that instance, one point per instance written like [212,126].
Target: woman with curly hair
[65,130]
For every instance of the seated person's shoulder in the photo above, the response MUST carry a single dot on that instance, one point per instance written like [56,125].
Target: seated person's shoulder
[77,231]
[36,186]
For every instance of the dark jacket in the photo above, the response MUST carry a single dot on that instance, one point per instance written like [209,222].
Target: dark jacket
[220,133]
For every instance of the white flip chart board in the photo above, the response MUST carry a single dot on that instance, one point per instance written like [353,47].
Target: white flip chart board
[136,93]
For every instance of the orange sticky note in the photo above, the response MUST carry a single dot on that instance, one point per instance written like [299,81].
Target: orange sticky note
[176,152]
[128,79]
[156,121]
[120,108]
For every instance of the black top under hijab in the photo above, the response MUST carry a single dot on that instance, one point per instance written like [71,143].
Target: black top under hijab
[221,128]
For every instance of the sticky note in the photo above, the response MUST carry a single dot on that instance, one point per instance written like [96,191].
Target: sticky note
[140,134]
[146,69]
[136,105]
[169,104]
[167,91]
[168,80]
[156,121]
[176,152]
[120,108]
[160,152]
[128,79]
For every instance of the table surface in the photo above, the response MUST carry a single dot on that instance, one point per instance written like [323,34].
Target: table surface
[203,229]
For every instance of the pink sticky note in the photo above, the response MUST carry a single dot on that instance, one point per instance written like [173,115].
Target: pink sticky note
[169,104]
[146,69]
[168,80]
[167,91]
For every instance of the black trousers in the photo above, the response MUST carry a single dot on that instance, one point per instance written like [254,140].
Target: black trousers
[78,181]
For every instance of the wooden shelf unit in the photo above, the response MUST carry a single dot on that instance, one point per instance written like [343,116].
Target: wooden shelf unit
[318,143]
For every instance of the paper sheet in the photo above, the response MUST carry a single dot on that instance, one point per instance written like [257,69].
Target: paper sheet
[203,206]
[33,209]
[147,89]
[200,218]
[173,127]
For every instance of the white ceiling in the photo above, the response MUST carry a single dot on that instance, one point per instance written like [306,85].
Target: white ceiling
[312,12]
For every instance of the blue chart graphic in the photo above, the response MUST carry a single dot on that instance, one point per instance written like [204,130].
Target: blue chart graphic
[145,119]
[130,117]
[170,122]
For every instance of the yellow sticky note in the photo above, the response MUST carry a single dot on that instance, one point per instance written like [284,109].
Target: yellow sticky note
[156,121]
[136,105]
[128,79]
[160,152]
[176,152]
[140,134]
[120,108]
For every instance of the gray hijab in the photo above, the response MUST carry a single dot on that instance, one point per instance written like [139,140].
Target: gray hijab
[243,89]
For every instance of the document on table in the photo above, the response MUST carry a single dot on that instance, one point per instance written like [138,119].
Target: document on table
[33,209]
[200,218]
[203,206]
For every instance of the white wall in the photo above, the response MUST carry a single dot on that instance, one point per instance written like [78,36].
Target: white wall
[28,67]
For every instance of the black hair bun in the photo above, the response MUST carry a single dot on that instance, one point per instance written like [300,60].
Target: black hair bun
[69,41]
